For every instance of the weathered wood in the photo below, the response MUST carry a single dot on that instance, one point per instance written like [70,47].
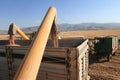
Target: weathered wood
[64,63]
[71,43]
[82,50]
[57,52]
[3,69]
[48,67]
[54,33]
[21,42]
[2,48]
[54,67]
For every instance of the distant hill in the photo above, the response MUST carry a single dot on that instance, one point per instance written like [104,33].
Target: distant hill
[81,26]
[3,32]
[30,29]
[89,26]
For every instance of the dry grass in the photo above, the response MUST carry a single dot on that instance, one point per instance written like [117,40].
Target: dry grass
[81,33]
[4,37]
[90,33]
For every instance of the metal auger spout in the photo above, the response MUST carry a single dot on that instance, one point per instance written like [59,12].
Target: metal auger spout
[12,31]
[32,60]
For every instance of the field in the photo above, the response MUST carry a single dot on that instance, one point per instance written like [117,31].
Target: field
[90,33]
[82,33]
[4,37]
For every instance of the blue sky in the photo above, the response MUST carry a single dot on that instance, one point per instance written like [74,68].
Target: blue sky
[26,13]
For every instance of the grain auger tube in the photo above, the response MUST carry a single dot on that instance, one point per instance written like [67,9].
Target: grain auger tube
[28,70]
[12,31]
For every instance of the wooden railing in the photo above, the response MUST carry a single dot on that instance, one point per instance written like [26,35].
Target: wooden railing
[82,64]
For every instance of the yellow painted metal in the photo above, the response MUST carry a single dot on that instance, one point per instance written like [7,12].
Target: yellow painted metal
[22,34]
[31,63]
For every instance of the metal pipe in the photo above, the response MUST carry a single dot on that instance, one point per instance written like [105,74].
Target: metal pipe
[30,66]
[54,33]
[12,31]
[21,32]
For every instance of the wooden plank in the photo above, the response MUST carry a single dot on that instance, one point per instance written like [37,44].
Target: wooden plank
[3,69]
[20,42]
[73,74]
[20,50]
[4,42]
[41,75]
[72,53]
[82,50]
[73,65]
[68,42]
[53,67]
[56,52]
[20,47]
[55,78]
[48,67]
[56,75]
[2,48]
[71,42]
[50,75]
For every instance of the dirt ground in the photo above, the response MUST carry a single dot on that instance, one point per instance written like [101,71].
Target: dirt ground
[100,70]
[103,70]
[91,33]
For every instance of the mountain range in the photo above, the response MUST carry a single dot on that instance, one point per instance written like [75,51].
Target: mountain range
[89,26]
[71,27]
[81,26]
